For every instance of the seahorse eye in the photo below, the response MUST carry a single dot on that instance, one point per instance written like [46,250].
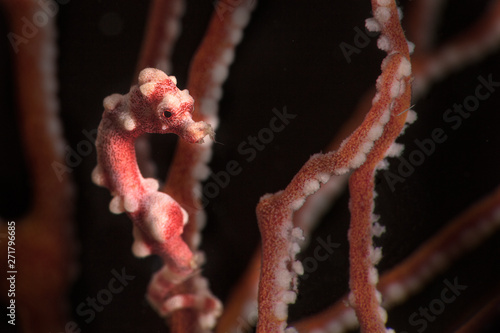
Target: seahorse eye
[164,110]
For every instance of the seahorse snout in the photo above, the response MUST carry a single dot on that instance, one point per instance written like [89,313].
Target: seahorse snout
[195,132]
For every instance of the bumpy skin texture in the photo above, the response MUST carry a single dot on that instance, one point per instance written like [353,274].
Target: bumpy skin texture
[155,105]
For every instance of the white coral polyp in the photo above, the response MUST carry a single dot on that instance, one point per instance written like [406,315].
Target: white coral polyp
[311,187]
[298,267]
[372,25]
[382,15]
[281,311]
[404,68]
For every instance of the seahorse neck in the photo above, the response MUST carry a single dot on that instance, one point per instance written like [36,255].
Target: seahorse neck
[118,160]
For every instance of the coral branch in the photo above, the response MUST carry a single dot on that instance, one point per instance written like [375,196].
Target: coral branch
[307,217]
[209,69]
[482,319]
[469,46]
[363,275]
[161,33]
[462,234]
[465,232]
[278,279]
[45,248]
[422,21]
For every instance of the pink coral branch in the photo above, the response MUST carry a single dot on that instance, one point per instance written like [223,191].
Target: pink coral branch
[463,233]
[422,21]
[244,296]
[45,247]
[209,69]
[362,256]
[161,33]
[240,303]
[363,275]
[469,46]
[438,254]
[482,319]
[382,125]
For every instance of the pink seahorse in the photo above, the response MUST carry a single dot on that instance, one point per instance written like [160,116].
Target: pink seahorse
[155,105]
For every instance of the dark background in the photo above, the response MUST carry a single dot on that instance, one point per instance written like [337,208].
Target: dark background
[290,56]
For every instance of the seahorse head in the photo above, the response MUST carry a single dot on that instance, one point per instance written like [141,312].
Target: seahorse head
[156,105]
